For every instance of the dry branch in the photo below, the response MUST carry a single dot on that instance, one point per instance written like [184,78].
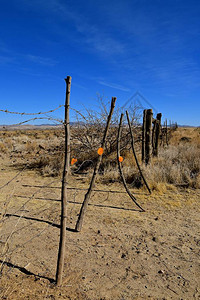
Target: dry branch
[134,153]
[119,165]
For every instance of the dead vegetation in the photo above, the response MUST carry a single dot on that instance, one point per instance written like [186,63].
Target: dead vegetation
[42,150]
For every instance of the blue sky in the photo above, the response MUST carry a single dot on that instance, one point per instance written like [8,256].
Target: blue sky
[113,48]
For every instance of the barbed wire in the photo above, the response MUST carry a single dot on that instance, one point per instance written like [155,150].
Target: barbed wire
[51,223]
[41,118]
[7,215]
[30,114]
[33,195]
[7,183]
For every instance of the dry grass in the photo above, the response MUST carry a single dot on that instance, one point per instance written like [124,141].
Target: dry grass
[178,164]
[186,135]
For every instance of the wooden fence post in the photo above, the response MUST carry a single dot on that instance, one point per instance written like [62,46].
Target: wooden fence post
[166,134]
[154,121]
[61,251]
[96,169]
[144,134]
[157,134]
[148,142]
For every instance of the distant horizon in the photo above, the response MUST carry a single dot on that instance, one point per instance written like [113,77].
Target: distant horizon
[73,123]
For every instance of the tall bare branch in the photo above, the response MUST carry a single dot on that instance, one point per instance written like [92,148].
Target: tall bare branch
[88,194]
[119,165]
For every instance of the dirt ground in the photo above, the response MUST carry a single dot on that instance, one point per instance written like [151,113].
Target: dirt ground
[121,253]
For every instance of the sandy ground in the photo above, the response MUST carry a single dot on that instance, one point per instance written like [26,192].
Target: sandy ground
[121,253]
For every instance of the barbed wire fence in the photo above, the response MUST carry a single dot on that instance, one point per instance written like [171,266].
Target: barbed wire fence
[7,215]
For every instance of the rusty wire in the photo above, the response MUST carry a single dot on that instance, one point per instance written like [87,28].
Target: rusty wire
[30,114]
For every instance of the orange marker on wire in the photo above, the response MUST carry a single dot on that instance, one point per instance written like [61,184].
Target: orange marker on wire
[73,161]
[100,151]
[121,159]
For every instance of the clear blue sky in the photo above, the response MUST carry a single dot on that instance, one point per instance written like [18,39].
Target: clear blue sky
[112,47]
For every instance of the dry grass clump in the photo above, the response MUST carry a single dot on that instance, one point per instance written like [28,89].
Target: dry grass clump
[31,142]
[186,135]
[178,165]
[48,165]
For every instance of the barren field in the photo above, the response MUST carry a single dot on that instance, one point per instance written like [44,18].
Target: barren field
[121,253]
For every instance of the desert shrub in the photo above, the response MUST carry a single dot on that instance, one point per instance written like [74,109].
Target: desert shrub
[48,165]
[176,165]
[88,133]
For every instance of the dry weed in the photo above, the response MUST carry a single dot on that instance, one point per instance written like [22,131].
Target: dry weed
[178,164]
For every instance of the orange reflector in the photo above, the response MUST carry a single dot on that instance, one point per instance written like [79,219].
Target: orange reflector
[73,161]
[121,159]
[100,151]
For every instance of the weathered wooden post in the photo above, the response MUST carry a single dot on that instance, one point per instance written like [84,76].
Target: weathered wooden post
[144,134]
[96,169]
[154,121]
[166,134]
[61,251]
[157,133]
[148,146]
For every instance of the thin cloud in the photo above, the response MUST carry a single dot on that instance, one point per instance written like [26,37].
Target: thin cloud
[92,37]
[115,86]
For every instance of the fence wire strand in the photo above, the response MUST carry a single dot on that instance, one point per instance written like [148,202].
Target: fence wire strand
[30,114]
[41,118]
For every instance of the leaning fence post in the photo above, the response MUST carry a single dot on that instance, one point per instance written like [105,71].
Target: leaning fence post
[148,146]
[61,251]
[96,169]
[144,134]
